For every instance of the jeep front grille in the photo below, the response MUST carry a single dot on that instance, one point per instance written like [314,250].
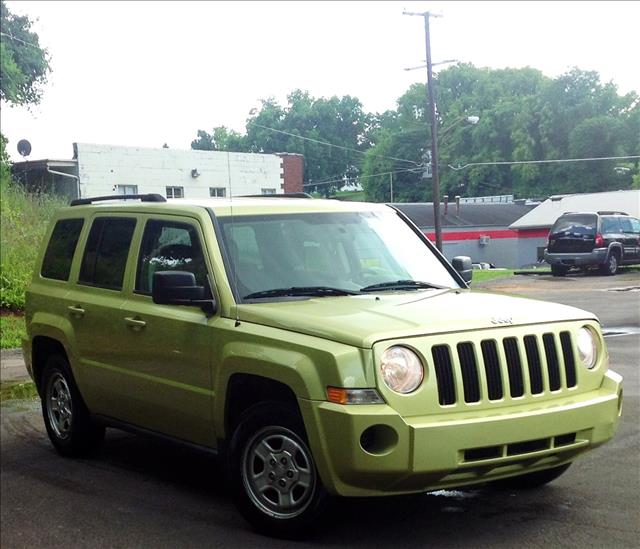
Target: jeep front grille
[509,366]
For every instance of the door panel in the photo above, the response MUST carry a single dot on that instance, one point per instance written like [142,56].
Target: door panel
[92,306]
[168,371]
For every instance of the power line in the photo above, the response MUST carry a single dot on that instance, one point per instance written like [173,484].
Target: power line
[20,40]
[326,143]
[360,177]
[508,163]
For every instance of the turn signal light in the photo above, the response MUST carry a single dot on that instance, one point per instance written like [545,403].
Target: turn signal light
[338,395]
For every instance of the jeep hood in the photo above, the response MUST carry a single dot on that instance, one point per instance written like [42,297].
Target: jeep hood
[363,320]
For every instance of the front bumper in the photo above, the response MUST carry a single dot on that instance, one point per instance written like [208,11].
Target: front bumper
[424,453]
[596,257]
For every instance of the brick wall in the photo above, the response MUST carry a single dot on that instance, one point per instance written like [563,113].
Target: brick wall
[292,172]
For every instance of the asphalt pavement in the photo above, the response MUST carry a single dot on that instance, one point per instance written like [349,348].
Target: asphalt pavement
[145,493]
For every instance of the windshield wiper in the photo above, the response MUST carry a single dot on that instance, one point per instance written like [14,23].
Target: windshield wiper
[314,291]
[401,285]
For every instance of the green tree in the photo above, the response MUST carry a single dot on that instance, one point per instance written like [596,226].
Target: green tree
[24,64]
[222,139]
[524,115]
[340,121]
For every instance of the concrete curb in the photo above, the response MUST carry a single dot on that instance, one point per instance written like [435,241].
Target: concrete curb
[12,366]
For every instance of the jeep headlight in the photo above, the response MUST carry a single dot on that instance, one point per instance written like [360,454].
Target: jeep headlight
[587,347]
[401,369]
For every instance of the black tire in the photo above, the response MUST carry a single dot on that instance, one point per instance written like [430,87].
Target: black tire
[558,270]
[65,414]
[531,481]
[611,265]
[280,492]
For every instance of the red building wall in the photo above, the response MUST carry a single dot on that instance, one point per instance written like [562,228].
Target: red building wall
[292,172]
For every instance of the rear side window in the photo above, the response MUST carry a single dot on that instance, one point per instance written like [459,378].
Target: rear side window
[576,225]
[105,255]
[610,225]
[61,248]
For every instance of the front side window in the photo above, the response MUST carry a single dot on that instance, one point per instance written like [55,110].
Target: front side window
[627,225]
[175,192]
[169,246]
[350,251]
[106,252]
[61,248]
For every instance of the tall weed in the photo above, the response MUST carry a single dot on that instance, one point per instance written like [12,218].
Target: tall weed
[23,220]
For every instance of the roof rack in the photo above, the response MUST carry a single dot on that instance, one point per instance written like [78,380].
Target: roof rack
[612,213]
[281,195]
[152,197]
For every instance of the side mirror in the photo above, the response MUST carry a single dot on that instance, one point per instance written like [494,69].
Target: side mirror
[179,288]
[462,264]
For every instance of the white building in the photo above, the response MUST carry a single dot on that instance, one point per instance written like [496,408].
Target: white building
[101,170]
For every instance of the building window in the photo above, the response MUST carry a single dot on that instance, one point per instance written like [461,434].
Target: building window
[219,192]
[175,192]
[268,191]
[127,189]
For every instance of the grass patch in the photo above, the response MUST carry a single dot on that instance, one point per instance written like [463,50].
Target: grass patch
[18,390]
[350,196]
[12,329]
[23,221]
[482,275]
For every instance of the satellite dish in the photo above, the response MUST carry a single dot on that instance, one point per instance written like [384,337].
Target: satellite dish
[24,147]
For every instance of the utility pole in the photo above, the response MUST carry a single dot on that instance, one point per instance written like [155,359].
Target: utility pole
[434,129]
[391,185]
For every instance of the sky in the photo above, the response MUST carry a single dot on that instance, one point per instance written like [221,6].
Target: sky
[149,73]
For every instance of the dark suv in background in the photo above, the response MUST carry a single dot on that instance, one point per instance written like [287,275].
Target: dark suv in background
[605,240]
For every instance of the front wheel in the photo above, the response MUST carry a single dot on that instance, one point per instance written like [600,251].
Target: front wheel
[273,474]
[531,480]
[65,414]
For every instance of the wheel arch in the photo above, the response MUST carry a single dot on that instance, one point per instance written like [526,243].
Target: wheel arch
[245,390]
[42,347]
[615,248]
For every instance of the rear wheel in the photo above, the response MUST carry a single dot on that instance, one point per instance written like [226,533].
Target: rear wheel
[610,266]
[65,414]
[531,480]
[558,270]
[274,479]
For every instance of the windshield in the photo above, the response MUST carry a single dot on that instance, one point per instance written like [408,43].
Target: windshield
[334,252]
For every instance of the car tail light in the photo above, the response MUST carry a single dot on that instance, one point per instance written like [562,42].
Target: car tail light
[599,241]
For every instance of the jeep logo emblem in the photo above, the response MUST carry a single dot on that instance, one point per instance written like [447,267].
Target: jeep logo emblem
[501,320]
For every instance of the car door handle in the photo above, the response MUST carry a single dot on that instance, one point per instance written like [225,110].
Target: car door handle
[76,310]
[135,323]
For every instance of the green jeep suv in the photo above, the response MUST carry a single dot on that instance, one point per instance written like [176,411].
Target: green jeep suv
[322,347]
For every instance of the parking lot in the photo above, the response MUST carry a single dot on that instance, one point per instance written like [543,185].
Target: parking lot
[144,493]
